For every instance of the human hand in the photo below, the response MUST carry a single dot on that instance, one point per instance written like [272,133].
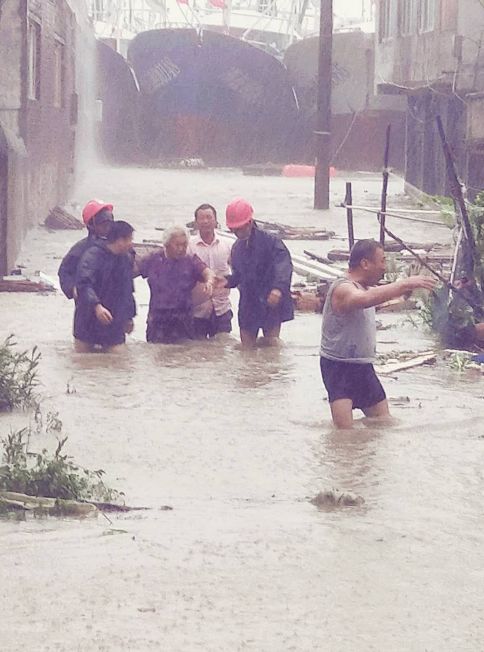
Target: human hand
[418,283]
[103,315]
[219,282]
[129,326]
[208,287]
[274,298]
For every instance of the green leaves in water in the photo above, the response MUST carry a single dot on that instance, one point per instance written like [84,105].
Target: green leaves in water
[53,475]
[18,376]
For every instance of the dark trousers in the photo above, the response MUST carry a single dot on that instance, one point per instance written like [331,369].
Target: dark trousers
[212,325]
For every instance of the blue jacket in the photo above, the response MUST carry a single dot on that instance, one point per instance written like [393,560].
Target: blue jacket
[261,264]
[103,277]
[68,267]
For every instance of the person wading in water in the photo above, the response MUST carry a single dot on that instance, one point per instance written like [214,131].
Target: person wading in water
[211,315]
[262,271]
[172,274]
[98,217]
[348,339]
[105,303]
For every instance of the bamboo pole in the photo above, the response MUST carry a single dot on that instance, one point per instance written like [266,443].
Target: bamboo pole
[349,215]
[384,192]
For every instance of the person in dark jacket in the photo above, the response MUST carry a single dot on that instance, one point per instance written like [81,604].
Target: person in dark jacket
[262,270]
[104,283]
[97,217]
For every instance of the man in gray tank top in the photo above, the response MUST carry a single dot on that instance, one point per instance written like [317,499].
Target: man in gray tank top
[348,337]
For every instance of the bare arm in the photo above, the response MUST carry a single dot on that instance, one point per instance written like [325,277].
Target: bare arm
[208,275]
[348,297]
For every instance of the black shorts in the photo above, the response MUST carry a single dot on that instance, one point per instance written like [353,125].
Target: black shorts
[213,325]
[355,381]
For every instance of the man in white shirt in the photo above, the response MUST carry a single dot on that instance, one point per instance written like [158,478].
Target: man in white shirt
[214,315]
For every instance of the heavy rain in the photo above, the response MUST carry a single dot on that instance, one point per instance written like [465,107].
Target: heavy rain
[257,524]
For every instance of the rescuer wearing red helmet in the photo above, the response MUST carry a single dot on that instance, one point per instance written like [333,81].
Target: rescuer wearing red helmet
[98,217]
[262,271]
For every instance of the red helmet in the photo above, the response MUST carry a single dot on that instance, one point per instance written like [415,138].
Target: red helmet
[238,213]
[92,208]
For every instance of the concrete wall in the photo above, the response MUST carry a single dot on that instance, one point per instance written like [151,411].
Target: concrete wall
[436,71]
[37,134]
[46,125]
[13,165]
[444,56]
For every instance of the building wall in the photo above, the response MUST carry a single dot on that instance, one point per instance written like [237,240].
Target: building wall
[11,39]
[38,112]
[444,50]
[13,167]
[436,69]
[46,121]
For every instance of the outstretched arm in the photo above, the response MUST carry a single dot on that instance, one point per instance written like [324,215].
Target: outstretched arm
[348,297]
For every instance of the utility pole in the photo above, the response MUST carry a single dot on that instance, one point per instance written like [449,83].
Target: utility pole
[323,115]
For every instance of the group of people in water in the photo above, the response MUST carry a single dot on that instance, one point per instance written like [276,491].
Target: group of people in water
[190,281]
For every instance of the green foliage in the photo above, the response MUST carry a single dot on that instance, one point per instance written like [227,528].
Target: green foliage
[50,475]
[46,474]
[459,361]
[423,315]
[476,216]
[394,269]
[18,376]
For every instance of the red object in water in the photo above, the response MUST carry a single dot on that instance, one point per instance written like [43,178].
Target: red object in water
[182,2]
[220,4]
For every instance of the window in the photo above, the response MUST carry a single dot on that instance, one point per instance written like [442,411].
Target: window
[407,17]
[33,90]
[427,15]
[98,9]
[59,71]
[386,19]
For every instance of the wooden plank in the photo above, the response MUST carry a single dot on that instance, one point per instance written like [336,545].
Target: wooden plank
[417,361]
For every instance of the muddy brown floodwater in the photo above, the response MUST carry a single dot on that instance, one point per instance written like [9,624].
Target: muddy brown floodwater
[238,443]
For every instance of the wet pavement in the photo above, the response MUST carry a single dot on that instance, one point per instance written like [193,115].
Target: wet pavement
[237,443]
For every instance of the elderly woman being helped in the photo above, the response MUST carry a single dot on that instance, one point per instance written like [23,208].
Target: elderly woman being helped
[172,275]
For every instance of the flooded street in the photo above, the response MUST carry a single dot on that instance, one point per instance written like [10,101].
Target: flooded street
[237,443]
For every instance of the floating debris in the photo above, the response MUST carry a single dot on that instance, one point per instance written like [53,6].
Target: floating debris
[333,498]
[393,362]
[286,232]
[60,219]
[19,283]
[41,506]
[398,305]
[263,170]
[308,300]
